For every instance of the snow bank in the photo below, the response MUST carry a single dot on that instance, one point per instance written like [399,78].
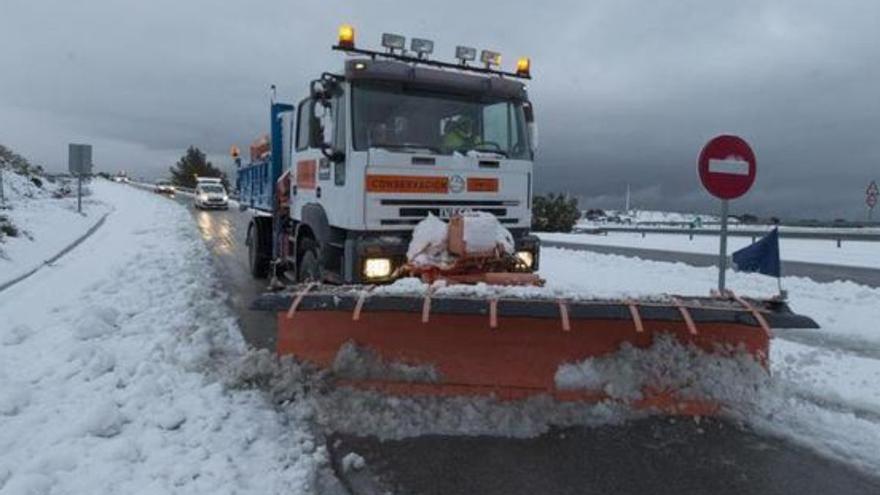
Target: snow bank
[119,382]
[727,376]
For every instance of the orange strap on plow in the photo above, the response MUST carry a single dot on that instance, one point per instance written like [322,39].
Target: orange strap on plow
[685,315]
[298,299]
[637,318]
[757,314]
[356,314]
[563,315]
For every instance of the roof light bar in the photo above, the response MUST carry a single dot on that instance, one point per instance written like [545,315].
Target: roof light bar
[395,45]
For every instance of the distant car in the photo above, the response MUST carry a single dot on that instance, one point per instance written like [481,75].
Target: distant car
[164,187]
[211,195]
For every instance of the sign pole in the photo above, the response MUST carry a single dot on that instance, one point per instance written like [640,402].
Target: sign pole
[2,194]
[722,255]
[79,193]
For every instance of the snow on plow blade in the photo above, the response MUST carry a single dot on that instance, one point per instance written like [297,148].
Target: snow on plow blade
[507,347]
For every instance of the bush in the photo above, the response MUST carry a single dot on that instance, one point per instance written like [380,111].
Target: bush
[7,228]
[554,213]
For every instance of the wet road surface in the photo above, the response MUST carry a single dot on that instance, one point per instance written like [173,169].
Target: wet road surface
[656,456]
[225,231]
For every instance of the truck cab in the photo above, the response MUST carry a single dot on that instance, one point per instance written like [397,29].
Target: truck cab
[377,148]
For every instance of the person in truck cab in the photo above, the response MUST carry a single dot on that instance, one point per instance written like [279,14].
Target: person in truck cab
[459,135]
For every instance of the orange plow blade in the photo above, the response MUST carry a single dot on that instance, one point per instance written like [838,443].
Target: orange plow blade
[510,348]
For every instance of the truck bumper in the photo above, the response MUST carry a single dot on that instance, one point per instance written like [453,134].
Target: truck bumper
[361,247]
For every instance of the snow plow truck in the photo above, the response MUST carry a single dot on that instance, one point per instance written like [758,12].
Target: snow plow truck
[400,158]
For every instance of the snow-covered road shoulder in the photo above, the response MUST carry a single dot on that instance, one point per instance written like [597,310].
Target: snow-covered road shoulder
[112,364]
[45,225]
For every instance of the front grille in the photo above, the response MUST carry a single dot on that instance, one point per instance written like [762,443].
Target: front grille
[413,221]
[423,212]
[447,202]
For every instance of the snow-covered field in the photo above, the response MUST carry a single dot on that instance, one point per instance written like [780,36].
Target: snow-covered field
[850,253]
[123,370]
[47,224]
[116,365]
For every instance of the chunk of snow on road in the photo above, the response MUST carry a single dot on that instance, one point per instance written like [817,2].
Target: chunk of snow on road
[102,420]
[361,363]
[15,334]
[727,376]
[91,325]
[353,462]
[13,398]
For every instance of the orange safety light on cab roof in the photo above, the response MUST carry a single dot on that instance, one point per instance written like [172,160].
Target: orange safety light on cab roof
[524,67]
[346,36]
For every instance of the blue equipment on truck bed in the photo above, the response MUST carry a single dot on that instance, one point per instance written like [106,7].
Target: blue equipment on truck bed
[256,180]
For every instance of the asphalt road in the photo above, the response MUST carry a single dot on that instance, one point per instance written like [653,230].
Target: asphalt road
[656,456]
[815,271]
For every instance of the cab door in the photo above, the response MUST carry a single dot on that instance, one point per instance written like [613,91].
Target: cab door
[305,189]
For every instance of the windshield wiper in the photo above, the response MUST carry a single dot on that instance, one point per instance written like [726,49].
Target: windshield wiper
[405,146]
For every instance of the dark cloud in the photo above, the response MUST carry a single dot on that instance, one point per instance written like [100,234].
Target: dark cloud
[626,91]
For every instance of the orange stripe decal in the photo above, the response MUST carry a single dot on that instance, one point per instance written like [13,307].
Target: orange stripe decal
[305,174]
[482,184]
[407,184]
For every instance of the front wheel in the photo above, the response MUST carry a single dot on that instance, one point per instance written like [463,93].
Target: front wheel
[259,245]
[309,266]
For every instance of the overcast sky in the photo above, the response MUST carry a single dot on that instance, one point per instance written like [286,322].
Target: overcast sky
[625,91]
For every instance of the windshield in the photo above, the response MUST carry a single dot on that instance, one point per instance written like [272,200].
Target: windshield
[212,189]
[410,120]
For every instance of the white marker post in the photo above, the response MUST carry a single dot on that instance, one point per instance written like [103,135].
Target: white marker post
[722,256]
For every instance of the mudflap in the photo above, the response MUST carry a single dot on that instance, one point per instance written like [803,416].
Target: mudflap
[513,348]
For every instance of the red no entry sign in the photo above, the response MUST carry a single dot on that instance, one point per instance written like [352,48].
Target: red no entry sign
[727,166]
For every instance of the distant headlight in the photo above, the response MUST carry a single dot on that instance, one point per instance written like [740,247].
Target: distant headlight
[526,257]
[377,268]
[203,197]
[225,198]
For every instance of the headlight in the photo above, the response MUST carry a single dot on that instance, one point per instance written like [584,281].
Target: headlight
[203,197]
[526,257]
[225,198]
[377,268]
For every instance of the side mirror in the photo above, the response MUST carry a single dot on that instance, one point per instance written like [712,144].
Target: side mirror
[533,136]
[529,113]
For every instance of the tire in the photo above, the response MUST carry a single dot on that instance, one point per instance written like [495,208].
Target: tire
[309,269]
[259,248]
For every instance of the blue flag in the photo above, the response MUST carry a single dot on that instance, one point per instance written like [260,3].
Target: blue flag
[761,257]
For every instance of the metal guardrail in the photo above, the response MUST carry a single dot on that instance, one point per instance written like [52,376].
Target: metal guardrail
[753,233]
